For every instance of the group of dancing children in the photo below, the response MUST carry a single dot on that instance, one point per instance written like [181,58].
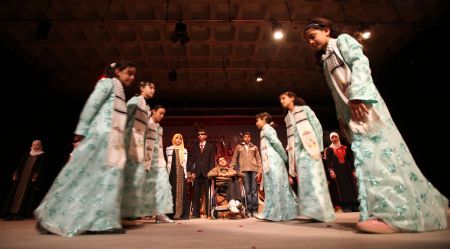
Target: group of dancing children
[118,171]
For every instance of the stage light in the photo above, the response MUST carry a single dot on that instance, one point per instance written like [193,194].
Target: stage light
[277,30]
[43,29]
[180,34]
[365,32]
[258,76]
[172,75]
[366,35]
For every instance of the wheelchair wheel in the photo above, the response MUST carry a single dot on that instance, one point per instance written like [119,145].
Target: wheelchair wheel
[214,214]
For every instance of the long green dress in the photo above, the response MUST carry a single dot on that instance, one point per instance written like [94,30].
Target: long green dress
[280,202]
[86,195]
[314,197]
[134,171]
[157,196]
[390,185]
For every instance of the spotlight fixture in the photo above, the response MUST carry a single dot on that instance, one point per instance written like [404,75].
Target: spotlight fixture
[366,35]
[277,30]
[180,33]
[364,32]
[258,76]
[172,75]
[43,29]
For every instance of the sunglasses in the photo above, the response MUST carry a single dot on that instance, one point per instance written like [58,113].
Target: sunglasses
[201,134]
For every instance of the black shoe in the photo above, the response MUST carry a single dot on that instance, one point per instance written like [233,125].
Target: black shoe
[195,217]
[8,218]
[184,218]
[110,231]
[41,229]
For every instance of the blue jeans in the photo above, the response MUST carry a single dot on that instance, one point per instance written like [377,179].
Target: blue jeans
[251,191]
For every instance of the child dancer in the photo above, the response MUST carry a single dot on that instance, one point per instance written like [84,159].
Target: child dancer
[134,172]
[280,202]
[305,143]
[157,196]
[393,193]
[86,195]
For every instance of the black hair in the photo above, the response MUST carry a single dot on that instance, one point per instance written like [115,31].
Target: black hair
[110,71]
[266,117]
[157,107]
[246,133]
[143,84]
[297,100]
[320,24]
[217,159]
[146,83]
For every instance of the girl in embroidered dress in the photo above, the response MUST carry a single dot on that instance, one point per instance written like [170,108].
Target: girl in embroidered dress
[393,193]
[176,166]
[134,172]
[86,195]
[157,196]
[280,202]
[304,146]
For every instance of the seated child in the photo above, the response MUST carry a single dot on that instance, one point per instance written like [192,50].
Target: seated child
[226,181]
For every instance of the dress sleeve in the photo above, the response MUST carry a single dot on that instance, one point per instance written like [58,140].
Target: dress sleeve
[315,123]
[271,135]
[95,101]
[361,87]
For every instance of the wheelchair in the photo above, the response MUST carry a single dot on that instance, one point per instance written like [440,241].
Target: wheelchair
[219,203]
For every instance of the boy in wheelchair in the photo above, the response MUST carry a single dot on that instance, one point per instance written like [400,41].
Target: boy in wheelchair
[226,181]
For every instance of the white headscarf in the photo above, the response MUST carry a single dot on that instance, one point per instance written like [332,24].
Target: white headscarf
[338,143]
[178,147]
[34,152]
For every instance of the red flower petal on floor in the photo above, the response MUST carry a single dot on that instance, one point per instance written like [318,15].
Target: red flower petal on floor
[200,231]
[253,247]
[241,226]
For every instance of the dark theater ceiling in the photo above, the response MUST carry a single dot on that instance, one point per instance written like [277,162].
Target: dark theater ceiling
[229,42]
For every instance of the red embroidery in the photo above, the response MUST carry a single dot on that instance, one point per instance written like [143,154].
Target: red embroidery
[340,153]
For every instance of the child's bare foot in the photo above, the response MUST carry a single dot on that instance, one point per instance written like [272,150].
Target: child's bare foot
[375,226]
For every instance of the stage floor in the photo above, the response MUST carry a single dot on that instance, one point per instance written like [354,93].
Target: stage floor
[247,233]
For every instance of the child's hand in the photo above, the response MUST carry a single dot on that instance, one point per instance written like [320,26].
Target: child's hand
[290,180]
[358,110]
[258,177]
[14,177]
[78,138]
[191,177]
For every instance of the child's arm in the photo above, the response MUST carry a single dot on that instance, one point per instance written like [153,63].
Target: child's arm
[131,111]
[213,172]
[258,160]
[235,159]
[271,135]
[95,101]
[315,123]
[361,87]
